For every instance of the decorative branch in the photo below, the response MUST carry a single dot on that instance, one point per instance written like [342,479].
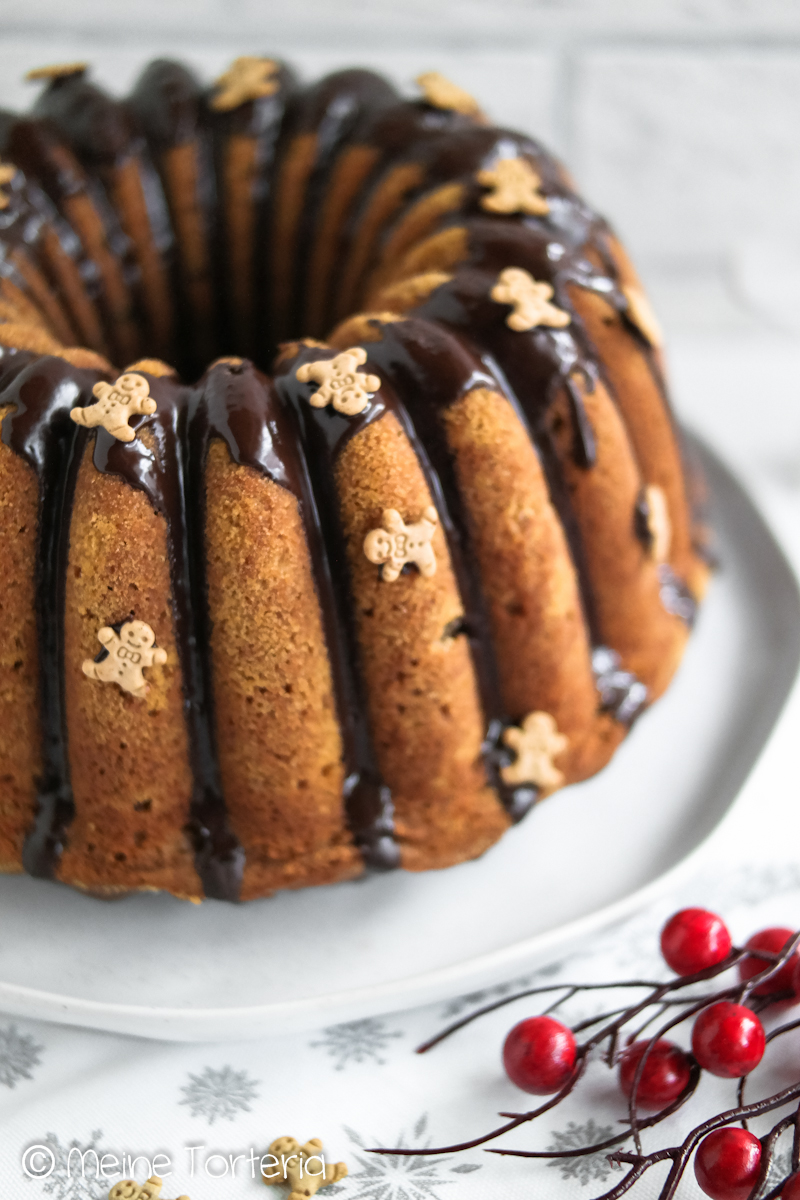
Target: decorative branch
[665,1005]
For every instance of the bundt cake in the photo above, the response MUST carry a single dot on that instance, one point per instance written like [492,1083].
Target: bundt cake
[264,631]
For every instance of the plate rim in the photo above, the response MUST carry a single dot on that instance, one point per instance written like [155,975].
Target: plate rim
[245,1022]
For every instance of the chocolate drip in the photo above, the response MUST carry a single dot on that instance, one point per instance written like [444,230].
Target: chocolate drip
[172,477]
[584,450]
[676,596]
[535,366]
[263,121]
[621,693]
[166,105]
[43,390]
[104,135]
[336,110]
[431,370]
[322,433]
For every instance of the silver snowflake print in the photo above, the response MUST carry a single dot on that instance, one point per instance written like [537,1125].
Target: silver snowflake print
[589,1166]
[18,1054]
[779,1170]
[455,1007]
[219,1093]
[401,1177]
[75,1174]
[357,1041]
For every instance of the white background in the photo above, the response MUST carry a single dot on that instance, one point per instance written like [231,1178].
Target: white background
[679,118]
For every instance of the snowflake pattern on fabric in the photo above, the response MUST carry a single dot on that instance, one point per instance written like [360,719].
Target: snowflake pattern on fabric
[395,1177]
[593,1166]
[19,1053]
[219,1093]
[779,1169]
[357,1041]
[75,1174]
[461,1004]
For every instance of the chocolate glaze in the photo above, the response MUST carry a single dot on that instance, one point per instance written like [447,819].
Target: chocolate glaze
[231,402]
[43,390]
[104,135]
[621,693]
[264,121]
[165,102]
[166,105]
[430,370]
[322,433]
[37,147]
[99,129]
[337,110]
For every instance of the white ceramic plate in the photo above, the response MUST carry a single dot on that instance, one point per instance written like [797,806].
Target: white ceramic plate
[153,966]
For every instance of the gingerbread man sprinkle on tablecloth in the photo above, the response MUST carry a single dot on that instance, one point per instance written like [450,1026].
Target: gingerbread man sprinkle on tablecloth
[129,1189]
[116,403]
[515,188]
[529,299]
[341,384]
[247,78]
[536,743]
[129,651]
[395,544]
[303,1182]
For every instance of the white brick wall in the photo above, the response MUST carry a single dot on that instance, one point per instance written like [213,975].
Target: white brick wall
[680,118]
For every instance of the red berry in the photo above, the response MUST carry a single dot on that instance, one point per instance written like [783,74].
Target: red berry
[728,1039]
[726,1164]
[773,940]
[539,1055]
[791,1189]
[694,939]
[664,1075]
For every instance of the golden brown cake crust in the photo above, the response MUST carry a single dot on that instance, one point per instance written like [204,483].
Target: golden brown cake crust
[20,733]
[423,706]
[131,779]
[540,637]
[279,746]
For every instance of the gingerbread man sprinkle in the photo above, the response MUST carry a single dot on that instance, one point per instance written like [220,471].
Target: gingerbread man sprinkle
[56,71]
[303,1182]
[116,402]
[640,313]
[515,188]
[439,92]
[129,651]
[7,173]
[537,743]
[658,523]
[247,78]
[341,384]
[529,299]
[129,1189]
[395,544]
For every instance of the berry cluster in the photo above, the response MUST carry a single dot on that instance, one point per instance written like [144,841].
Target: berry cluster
[544,1057]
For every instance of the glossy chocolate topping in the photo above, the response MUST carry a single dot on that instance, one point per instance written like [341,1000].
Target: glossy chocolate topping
[43,390]
[233,402]
[166,103]
[322,433]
